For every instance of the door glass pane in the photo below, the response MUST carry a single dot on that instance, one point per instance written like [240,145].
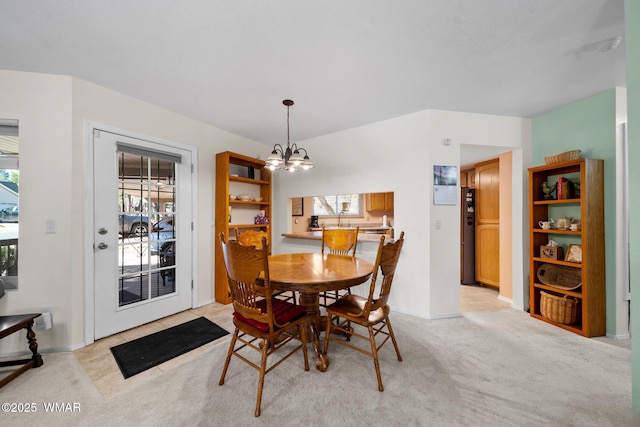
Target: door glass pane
[147,239]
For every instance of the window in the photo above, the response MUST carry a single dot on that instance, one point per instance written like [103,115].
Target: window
[146,198]
[9,181]
[345,204]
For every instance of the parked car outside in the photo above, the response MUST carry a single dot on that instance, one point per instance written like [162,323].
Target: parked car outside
[160,233]
[167,259]
[9,214]
[165,224]
[133,224]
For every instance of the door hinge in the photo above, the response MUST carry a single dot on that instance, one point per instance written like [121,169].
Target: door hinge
[193,168]
[191,283]
[191,226]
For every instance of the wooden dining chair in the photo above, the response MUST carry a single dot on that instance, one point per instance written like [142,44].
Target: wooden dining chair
[372,312]
[254,238]
[262,323]
[341,241]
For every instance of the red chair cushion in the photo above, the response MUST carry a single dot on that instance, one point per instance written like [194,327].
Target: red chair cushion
[283,312]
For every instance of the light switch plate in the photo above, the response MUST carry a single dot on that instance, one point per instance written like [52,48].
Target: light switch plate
[50,226]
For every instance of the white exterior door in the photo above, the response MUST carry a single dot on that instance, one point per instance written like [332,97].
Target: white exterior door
[142,237]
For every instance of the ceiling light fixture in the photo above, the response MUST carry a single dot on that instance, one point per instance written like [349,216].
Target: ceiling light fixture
[290,157]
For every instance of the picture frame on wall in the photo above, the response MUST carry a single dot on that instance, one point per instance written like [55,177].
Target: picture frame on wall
[297,206]
[445,185]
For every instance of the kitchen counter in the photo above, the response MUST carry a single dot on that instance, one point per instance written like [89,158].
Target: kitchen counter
[317,235]
[363,229]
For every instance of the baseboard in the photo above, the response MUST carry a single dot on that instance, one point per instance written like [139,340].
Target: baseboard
[423,316]
[13,354]
[505,299]
[619,336]
[207,302]
[445,316]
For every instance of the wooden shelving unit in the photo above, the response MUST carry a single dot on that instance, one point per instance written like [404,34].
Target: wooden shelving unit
[589,174]
[233,177]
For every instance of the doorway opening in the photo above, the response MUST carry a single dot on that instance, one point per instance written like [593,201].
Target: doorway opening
[485,236]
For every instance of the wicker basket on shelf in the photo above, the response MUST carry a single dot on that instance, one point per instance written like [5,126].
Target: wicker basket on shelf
[563,157]
[561,309]
[559,276]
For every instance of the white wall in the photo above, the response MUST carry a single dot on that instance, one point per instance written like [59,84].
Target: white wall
[53,112]
[622,230]
[42,104]
[395,155]
[398,155]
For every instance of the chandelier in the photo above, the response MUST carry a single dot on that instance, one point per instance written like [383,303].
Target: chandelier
[290,157]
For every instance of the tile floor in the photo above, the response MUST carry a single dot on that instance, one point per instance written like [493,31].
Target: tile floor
[480,298]
[101,367]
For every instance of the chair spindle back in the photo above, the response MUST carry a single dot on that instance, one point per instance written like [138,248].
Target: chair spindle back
[244,264]
[386,262]
[340,241]
[252,237]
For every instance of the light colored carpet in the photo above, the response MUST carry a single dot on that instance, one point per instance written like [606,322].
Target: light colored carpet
[499,368]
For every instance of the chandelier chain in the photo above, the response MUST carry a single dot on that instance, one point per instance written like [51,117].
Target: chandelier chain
[288,126]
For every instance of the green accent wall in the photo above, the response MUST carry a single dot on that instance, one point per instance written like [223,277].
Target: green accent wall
[632,17]
[588,125]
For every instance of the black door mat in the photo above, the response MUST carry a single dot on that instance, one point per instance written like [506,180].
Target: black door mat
[144,353]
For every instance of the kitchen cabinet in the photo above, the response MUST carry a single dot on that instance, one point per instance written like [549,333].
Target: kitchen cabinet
[468,178]
[379,201]
[238,174]
[488,223]
[588,203]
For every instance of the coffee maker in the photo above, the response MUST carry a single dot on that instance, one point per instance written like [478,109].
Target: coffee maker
[313,222]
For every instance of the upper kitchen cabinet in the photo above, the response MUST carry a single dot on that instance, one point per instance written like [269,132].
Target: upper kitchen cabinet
[379,201]
[468,178]
[243,201]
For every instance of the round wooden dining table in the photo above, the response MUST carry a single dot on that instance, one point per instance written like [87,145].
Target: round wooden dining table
[309,274]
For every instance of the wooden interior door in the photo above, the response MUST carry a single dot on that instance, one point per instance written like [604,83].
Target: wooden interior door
[488,223]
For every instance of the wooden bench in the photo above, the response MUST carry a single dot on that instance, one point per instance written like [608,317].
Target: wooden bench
[11,324]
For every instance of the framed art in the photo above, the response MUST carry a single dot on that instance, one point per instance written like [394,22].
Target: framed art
[574,253]
[297,207]
[445,185]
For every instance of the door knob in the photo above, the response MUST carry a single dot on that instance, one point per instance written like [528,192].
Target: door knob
[102,245]
[102,231]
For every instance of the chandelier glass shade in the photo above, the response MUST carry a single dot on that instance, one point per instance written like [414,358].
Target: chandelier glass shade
[288,158]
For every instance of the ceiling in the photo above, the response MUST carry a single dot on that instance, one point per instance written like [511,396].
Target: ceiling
[344,63]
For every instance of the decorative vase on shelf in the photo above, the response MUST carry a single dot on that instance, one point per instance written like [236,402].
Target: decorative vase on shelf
[548,191]
[564,222]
